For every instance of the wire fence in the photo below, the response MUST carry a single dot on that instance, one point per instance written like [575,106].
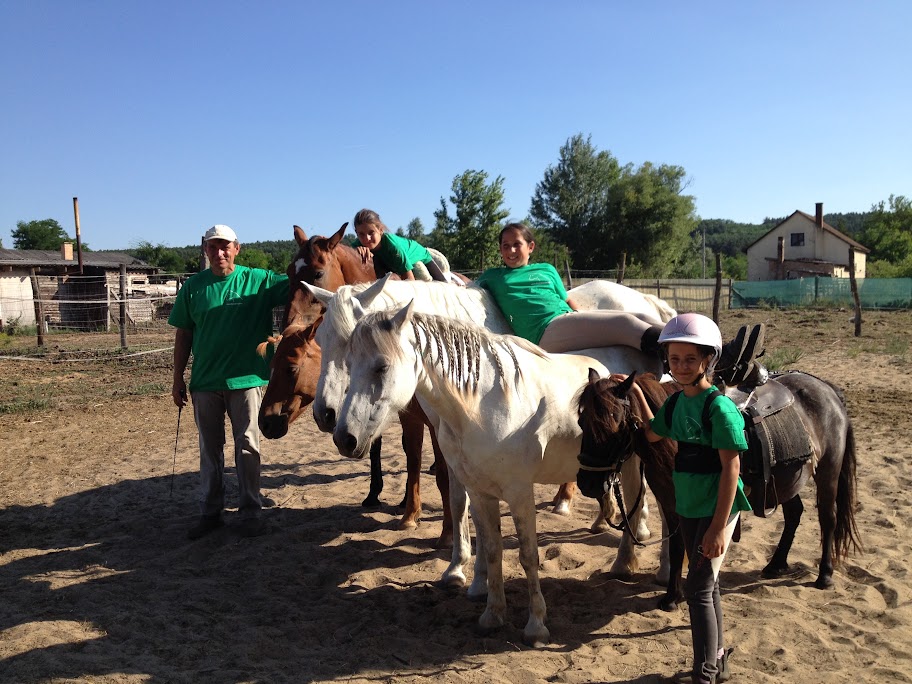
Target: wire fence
[126,314]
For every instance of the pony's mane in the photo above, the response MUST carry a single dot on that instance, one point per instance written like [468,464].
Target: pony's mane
[453,345]
[605,411]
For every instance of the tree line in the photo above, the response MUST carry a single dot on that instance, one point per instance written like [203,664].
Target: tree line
[589,212]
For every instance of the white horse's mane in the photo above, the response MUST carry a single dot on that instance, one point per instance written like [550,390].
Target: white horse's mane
[453,345]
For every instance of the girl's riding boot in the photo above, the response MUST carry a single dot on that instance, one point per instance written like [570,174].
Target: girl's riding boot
[692,678]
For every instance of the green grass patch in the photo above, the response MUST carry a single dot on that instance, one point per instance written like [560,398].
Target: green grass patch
[147,389]
[782,358]
[25,405]
[897,347]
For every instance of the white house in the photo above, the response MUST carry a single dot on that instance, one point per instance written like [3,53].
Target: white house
[804,246]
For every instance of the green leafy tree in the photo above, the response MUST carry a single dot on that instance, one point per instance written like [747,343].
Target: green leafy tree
[45,234]
[167,259]
[469,238]
[571,201]
[253,257]
[415,231]
[887,230]
[601,210]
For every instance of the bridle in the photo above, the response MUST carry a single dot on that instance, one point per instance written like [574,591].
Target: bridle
[613,453]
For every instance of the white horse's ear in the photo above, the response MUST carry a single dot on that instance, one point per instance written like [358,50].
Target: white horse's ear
[403,316]
[358,311]
[594,376]
[323,296]
[370,294]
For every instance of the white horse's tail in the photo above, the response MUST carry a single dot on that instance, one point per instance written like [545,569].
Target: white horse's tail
[663,310]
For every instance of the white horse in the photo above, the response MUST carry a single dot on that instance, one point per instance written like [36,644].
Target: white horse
[505,416]
[477,305]
[468,304]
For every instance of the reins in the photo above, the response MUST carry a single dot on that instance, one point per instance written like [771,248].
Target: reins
[613,482]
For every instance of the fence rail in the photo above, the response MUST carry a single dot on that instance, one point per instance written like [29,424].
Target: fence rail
[91,314]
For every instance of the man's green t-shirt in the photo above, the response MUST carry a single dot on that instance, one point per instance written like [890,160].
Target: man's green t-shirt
[229,316]
[696,493]
[530,297]
[399,254]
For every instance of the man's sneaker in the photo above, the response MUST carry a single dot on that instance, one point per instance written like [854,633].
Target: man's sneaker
[205,525]
[735,362]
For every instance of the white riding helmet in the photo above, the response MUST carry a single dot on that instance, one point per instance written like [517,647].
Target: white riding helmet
[696,329]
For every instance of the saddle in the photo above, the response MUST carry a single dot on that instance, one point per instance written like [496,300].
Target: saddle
[775,435]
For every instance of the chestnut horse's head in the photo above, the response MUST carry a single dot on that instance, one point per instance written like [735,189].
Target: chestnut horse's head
[293,379]
[317,262]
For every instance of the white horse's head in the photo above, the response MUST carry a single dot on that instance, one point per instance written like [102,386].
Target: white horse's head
[343,309]
[384,367]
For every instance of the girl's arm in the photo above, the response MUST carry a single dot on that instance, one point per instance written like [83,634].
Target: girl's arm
[408,275]
[714,539]
[645,411]
[572,304]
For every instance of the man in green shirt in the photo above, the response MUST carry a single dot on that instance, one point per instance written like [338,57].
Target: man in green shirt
[221,314]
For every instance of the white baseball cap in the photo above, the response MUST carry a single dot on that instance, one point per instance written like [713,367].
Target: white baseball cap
[220,232]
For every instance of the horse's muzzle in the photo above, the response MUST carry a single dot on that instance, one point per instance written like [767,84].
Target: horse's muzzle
[592,483]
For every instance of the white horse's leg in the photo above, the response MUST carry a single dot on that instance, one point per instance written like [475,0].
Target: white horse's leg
[626,562]
[478,589]
[454,575]
[486,513]
[535,633]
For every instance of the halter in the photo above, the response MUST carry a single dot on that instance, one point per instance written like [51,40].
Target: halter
[619,447]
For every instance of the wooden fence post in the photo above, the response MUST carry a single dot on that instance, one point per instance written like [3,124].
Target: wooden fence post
[39,310]
[854,284]
[621,268]
[123,306]
[717,294]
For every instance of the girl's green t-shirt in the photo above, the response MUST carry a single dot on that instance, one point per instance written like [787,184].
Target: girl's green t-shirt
[696,493]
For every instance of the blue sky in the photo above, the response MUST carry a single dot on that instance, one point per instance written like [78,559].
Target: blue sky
[164,118]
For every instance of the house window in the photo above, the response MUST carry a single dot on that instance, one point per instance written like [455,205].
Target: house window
[797,239]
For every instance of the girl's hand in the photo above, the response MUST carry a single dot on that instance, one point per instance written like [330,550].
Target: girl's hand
[713,543]
[618,377]
[366,255]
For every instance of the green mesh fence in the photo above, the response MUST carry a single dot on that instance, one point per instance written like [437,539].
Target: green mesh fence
[874,293]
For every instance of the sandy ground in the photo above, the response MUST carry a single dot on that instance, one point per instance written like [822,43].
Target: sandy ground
[99,583]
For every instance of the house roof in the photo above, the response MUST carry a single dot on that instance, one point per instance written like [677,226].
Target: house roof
[826,226]
[27,258]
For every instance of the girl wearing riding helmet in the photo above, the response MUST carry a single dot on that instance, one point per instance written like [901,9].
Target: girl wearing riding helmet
[708,489]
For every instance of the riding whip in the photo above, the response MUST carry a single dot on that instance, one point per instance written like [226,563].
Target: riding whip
[176,437]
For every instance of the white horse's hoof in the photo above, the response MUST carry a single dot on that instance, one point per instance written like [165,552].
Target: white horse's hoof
[599,526]
[478,591]
[454,579]
[490,621]
[536,637]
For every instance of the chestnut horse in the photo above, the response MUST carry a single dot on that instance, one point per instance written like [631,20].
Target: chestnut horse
[329,264]
[609,421]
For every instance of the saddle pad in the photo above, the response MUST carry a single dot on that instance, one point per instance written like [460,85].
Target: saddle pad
[784,436]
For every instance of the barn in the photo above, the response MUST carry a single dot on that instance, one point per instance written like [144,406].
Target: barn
[47,285]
